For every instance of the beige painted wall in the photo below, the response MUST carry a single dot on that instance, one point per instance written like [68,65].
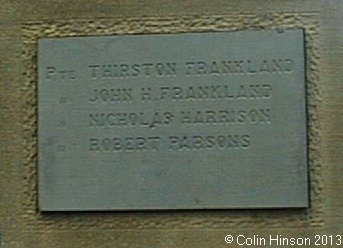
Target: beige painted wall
[23,22]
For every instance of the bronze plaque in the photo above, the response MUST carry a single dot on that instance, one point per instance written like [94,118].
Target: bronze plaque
[172,121]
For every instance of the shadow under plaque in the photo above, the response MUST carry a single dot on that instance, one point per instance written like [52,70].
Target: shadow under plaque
[172,121]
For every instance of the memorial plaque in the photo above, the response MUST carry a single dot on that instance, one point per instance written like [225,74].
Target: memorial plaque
[172,121]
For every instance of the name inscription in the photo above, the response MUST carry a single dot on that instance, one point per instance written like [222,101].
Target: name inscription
[202,103]
[219,93]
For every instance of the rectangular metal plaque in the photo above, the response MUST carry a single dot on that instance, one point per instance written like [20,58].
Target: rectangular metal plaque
[184,121]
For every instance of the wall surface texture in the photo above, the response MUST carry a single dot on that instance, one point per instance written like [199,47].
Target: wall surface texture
[23,22]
